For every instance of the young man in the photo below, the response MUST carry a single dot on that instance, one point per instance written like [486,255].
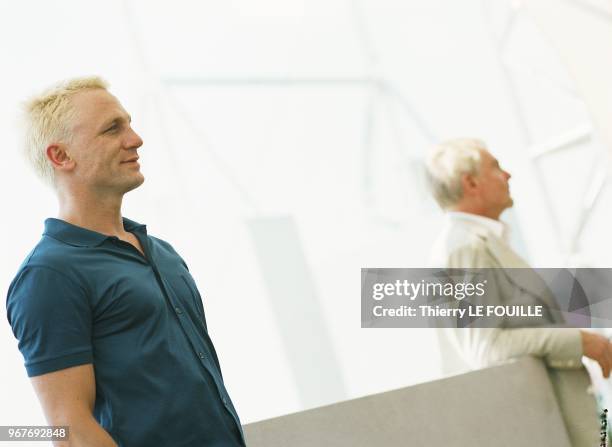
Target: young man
[108,318]
[469,184]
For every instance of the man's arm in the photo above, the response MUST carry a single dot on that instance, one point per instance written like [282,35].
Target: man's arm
[560,348]
[67,397]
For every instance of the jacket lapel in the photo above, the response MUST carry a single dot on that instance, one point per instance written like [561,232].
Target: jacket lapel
[520,273]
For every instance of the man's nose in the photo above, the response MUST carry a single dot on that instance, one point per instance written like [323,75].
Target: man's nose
[133,140]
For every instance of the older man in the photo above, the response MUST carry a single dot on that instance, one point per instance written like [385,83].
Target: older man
[469,184]
[109,320]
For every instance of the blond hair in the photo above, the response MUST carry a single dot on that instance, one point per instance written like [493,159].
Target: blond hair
[47,119]
[446,165]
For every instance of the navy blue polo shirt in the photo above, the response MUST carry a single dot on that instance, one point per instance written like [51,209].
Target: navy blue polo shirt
[84,297]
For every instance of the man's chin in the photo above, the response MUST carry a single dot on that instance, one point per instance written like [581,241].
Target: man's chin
[135,184]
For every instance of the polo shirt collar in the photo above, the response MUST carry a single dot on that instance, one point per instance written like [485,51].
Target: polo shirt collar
[82,237]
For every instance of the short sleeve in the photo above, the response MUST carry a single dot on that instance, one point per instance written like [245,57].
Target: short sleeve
[52,320]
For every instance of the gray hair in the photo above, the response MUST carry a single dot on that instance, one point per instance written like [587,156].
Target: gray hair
[47,119]
[446,165]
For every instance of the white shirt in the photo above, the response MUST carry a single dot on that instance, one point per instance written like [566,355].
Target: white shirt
[497,227]
[464,229]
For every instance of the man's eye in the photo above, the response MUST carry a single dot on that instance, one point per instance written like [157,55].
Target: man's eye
[111,128]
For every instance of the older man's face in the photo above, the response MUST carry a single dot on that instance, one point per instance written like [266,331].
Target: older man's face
[493,184]
[104,146]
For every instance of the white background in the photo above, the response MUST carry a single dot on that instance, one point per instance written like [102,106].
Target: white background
[312,116]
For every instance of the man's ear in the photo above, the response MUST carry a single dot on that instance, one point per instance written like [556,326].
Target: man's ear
[59,156]
[469,184]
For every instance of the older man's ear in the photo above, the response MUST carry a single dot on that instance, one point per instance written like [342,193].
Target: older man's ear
[469,185]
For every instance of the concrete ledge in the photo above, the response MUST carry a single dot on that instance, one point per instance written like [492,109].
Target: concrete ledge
[509,405]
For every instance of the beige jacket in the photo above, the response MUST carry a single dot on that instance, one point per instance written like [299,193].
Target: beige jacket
[469,241]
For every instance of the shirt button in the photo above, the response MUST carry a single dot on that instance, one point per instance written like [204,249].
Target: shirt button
[178,310]
[201,355]
[224,400]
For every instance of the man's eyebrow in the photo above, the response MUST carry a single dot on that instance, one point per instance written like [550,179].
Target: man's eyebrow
[116,119]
